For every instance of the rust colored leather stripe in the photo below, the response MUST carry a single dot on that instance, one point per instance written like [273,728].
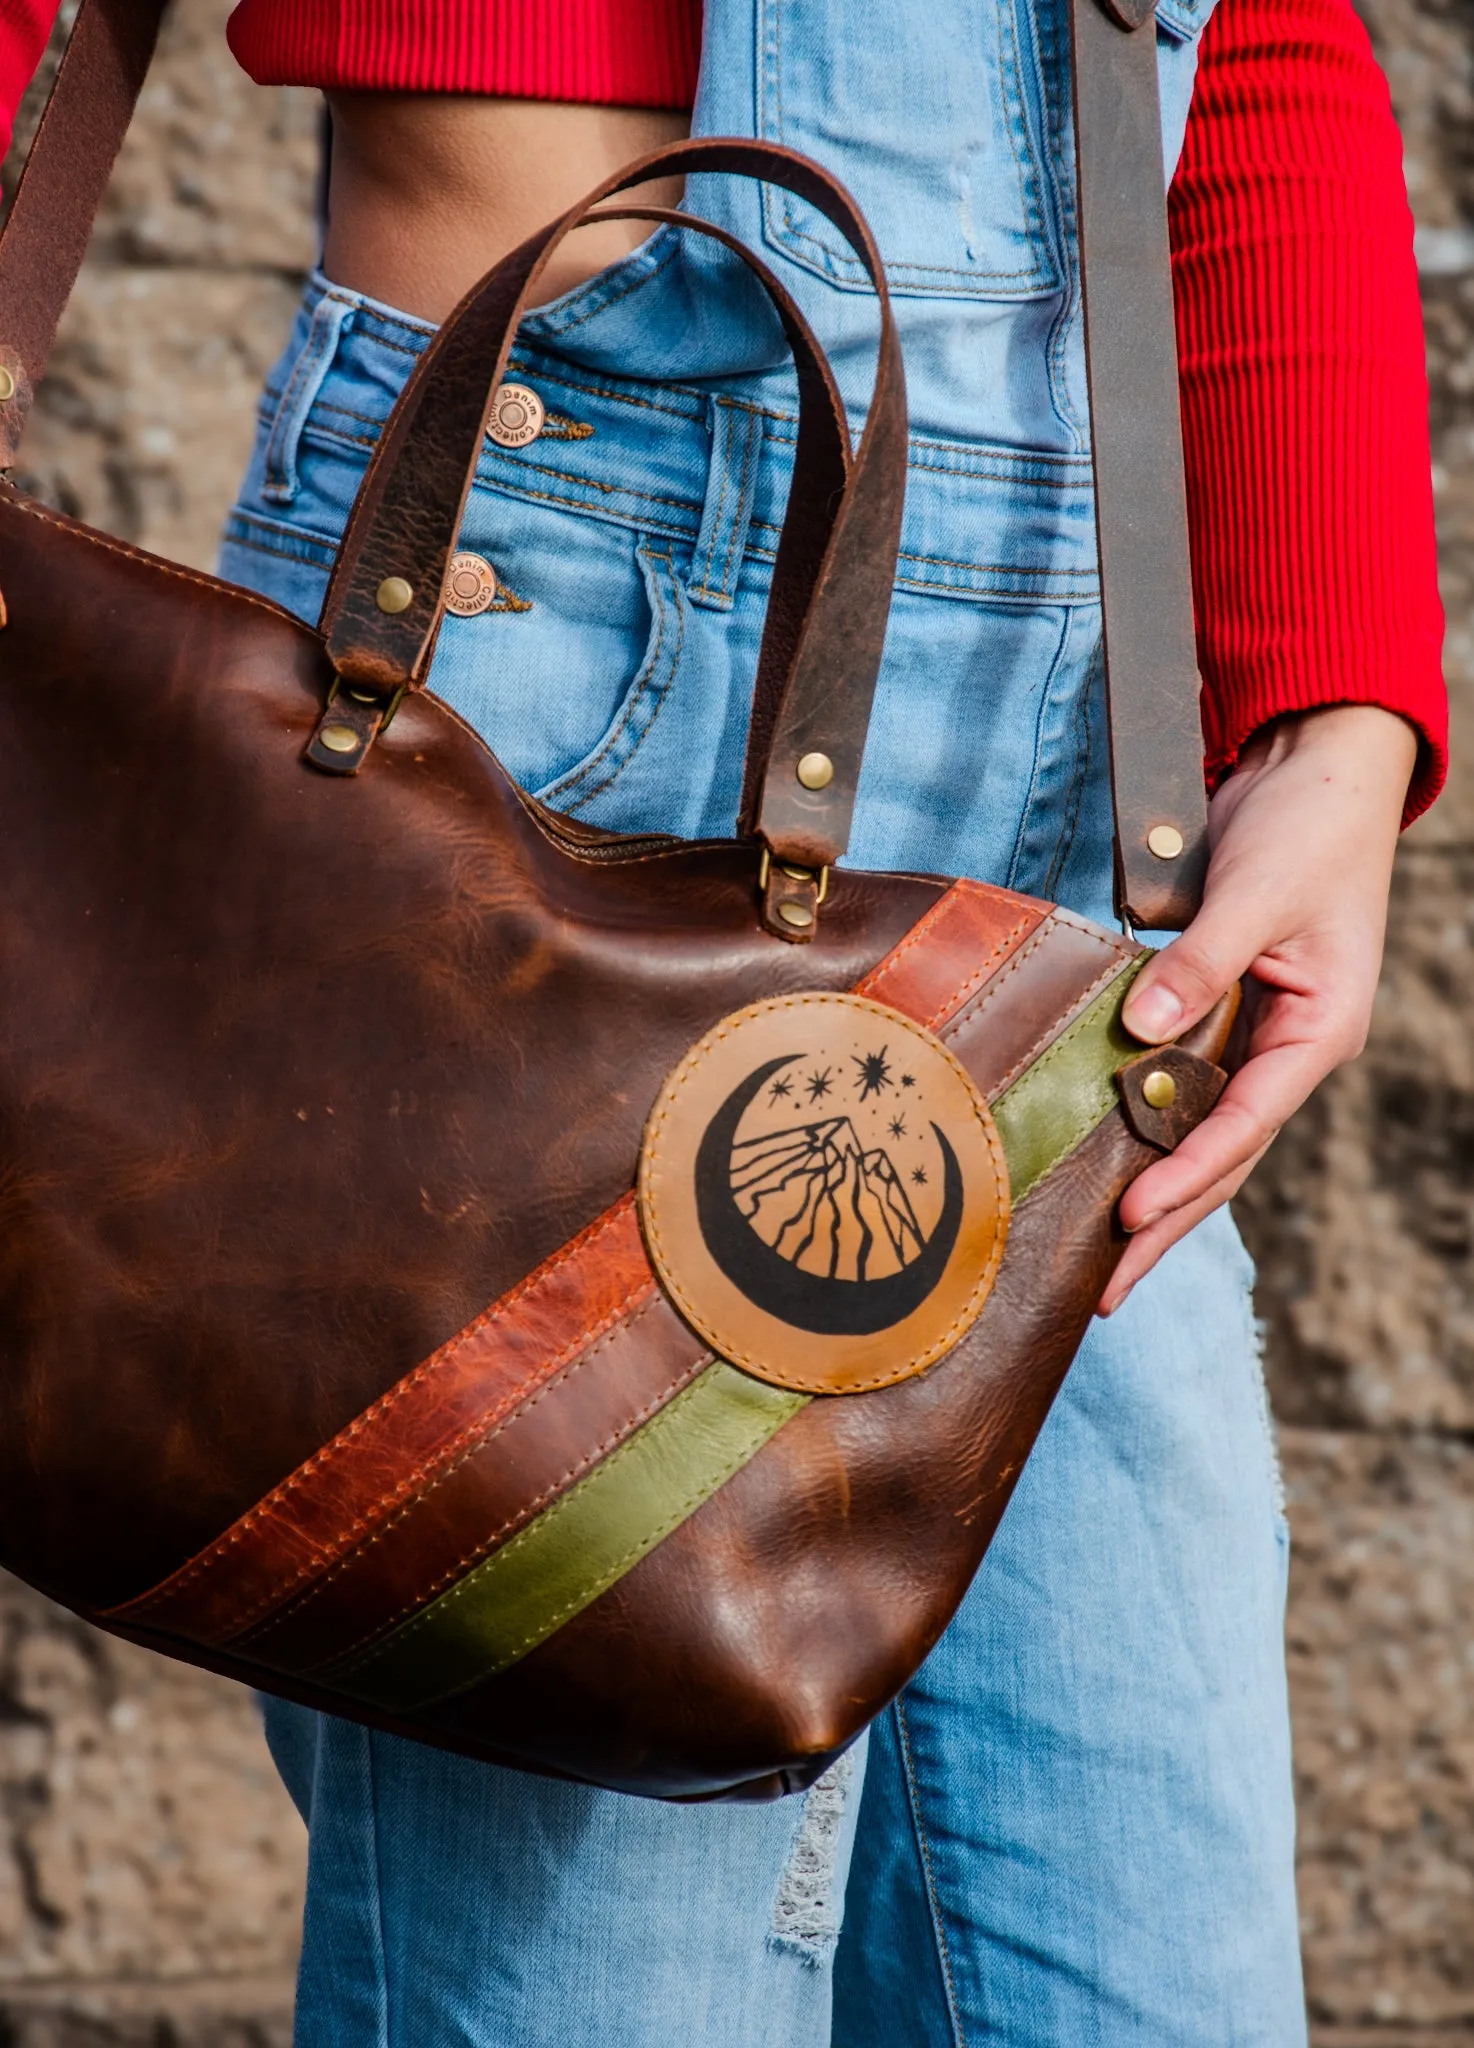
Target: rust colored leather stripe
[972,922]
[395,1448]
[374,1513]
[532,1457]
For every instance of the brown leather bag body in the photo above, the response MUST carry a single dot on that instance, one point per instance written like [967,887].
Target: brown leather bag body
[431,1287]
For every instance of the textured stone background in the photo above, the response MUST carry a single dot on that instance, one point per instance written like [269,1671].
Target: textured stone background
[150,1867]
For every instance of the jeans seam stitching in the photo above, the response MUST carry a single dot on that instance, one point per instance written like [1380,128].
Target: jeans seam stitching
[939,1935]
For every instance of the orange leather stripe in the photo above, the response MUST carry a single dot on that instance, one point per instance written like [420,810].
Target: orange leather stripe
[464,1392]
[367,1472]
[972,922]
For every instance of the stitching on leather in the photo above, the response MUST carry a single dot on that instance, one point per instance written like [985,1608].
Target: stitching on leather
[679,1514]
[216,584]
[966,1316]
[1053,1032]
[337,1447]
[525,1514]
[944,905]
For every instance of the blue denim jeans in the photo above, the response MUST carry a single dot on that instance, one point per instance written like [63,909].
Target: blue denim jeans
[1075,1827]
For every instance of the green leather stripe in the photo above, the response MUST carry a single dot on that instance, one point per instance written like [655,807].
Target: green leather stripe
[1055,1104]
[576,1549]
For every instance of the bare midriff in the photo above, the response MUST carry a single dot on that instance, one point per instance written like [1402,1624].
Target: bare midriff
[427,192]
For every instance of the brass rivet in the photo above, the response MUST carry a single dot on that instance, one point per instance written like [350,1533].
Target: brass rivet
[470,586]
[7,385]
[798,915]
[339,739]
[1159,1089]
[816,771]
[1165,841]
[394,595]
[517,416]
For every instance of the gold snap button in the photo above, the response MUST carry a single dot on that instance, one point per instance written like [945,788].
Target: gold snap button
[1159,1089]
[1165,841]
[798,915]
[339,739]
[7,385]
[816,771]
[394,595]
[517,416]
[470,586]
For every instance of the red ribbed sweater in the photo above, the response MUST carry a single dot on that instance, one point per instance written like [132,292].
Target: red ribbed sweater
[1304,397]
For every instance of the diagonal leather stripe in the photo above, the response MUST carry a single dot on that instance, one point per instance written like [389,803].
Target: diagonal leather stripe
[375,1522]
[972,922]
[575,1419]
[576,1549]
[396,1447]
[1058,1101]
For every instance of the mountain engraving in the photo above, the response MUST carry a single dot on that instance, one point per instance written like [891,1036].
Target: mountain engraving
[824,1202]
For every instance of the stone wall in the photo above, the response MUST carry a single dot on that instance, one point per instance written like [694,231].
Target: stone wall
[150,1866]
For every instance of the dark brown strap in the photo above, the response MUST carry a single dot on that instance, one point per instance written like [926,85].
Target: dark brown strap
[821,648]
[66,174]
[1140,496]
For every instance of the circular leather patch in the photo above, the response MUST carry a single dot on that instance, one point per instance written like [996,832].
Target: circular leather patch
[824,1194]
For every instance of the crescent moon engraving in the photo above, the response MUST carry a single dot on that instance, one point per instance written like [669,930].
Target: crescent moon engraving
[810,1301]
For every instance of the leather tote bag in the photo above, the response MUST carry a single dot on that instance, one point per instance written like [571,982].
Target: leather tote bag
[432,1285]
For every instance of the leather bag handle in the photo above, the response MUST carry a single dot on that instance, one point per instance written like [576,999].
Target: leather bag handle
[1156,746]
[825,631]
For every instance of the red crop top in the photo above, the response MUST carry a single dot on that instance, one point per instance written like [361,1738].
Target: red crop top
[1303,388]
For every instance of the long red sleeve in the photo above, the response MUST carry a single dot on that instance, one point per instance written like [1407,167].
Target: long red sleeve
[24,27]
[1304,394]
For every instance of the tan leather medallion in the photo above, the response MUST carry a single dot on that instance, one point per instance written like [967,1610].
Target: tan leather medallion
[824,1194]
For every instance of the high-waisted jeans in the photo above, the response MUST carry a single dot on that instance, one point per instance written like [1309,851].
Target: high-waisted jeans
[1075,1826]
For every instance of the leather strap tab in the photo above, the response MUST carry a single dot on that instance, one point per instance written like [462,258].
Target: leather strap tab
[1140,494]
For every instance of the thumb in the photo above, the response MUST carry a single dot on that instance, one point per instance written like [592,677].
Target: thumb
[1183,982]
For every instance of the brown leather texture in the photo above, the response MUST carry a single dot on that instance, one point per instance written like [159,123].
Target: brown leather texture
[301,1071]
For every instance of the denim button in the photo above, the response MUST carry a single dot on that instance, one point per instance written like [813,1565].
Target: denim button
[470,588]
[517,416]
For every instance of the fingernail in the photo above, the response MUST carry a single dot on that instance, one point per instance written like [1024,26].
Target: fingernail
[1152,1216]
[1153,1014]
[1117,1300]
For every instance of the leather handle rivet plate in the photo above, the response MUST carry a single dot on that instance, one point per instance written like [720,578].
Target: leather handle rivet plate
[798,915]
[1159,1090]
[816,771]
[7,385]
[339,739]
[1165,841]
[394,595]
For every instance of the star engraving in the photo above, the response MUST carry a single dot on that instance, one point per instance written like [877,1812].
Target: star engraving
[781,1087]
[918,1174]
[897,1127]
[819,1084]
[875,1073]
[908,1080]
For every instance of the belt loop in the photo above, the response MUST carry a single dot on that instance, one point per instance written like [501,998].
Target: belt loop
[330,316]
[731,483]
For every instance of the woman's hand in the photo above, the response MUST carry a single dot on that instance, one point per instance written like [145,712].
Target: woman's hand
[1302,834]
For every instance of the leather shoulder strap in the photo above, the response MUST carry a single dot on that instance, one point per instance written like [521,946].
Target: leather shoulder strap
[1152,680]
[50,220]
[1156,743]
